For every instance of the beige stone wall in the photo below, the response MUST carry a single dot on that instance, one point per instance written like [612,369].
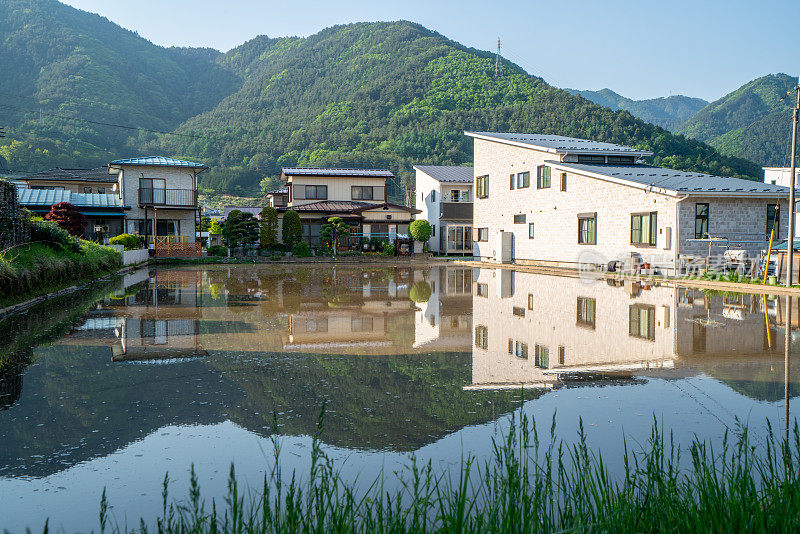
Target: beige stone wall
[741,220]
[339,187]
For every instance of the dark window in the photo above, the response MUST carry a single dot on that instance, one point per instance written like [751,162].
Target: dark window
[317,192]
[700,220]
[521,350]
[587,229]
[591,159]
[511,180]
[433,196]
[644,228]
[562,355]
[523,180]
[586,312]
[542,355]
[773,219]
[530,230]
[482,290]
[563,181]
[481,337]
[101,190]
[361,192]
[625,160]
[518,311]
[482,186]
[511,346]
[482,234]
[542,177]
[87,189]
[519,218]
[433,230]
[642,321]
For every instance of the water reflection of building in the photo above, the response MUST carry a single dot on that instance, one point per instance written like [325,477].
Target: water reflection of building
[155,316]
[534,330]
[444,320]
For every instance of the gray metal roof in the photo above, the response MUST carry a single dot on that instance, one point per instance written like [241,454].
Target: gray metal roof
[159,161]
[97,174]
[314,171]
[559,143]
[48,197]
[443,173]
[684,182]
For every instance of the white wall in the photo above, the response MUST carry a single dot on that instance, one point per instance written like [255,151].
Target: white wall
[423,200]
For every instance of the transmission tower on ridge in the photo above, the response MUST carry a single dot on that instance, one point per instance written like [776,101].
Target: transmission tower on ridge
[498,64]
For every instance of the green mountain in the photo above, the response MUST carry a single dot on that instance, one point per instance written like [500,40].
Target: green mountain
[668,112]
[752,122]
[378,94]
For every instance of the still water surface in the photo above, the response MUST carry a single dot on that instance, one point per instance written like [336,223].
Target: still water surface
[173,367]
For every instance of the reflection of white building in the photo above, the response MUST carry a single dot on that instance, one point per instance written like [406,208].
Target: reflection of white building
[531,329]
[444,321]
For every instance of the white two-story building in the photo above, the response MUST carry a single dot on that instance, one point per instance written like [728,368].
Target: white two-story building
[554,200]
[444,198]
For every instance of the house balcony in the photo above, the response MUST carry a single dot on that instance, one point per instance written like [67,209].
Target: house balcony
[455,211]
[168,198]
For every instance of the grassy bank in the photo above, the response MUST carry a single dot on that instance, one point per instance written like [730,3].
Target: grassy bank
[528,485]
[39,268]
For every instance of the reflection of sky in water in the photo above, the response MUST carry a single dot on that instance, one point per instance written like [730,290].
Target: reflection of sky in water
[176,373]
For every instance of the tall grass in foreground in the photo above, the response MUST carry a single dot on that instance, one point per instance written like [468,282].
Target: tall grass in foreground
[525,486]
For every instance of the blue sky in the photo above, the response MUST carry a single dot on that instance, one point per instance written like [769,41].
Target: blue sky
[641,49]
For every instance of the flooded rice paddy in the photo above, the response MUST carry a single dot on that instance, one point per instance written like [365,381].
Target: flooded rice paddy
[166,368]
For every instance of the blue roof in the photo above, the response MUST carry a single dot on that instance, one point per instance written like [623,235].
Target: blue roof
[48,197]
[159,161]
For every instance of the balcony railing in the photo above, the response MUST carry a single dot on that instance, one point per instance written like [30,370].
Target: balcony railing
[176,198]
[457,211]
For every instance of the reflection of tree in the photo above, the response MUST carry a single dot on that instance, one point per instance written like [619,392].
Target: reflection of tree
[291,296]
[10,385]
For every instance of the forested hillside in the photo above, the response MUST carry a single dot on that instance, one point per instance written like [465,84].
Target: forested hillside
[751,122]
[82,72]
[377,94]
[667,112]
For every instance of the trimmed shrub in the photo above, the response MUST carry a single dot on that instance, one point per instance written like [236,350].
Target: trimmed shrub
[302,250]
[129,241]
[217,250]
[269,227]
[420,230]
[292,229]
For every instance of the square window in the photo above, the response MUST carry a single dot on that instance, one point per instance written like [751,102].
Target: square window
[519,218]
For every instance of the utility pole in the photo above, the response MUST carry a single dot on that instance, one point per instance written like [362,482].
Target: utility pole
[498,63]
[792,180]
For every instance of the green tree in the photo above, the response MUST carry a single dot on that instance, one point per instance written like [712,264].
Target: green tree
[215,228]
[333,232]
[205,224]
[240,228]
[269,227]
[420,230]
[292,229]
